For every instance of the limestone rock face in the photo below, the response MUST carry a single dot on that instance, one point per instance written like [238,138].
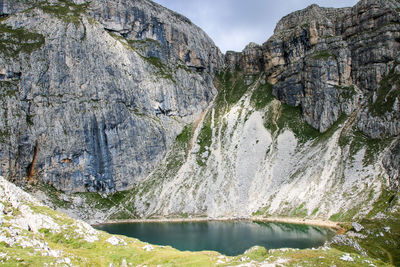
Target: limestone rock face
[331,61]
[93,102]
[179,39]
[391,162]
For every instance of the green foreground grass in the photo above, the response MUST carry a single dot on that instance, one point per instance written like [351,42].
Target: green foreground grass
[74,249]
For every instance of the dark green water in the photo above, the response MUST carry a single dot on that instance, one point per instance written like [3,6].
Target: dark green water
[229,238]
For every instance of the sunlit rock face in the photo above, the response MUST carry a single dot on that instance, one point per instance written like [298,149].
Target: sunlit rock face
[336,62]
[99,101]
[328,60]
[101,93]
[339,67]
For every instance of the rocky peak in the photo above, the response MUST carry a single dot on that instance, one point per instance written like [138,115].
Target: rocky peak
[319,50]
[311,14]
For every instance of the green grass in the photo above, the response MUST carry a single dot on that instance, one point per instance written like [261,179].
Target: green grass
[185,136]
[300,211]
[343,216]
[291,117]
[329,257]
[162,70]
[324,55]
[383,203]
[378,243]
[315,211]
[388,91]
[204,138]
[66,11]
[357,141]
[15,41]
[231,87]
[347,92]
[262,211]
[100,202]
[262,96]
[102,253]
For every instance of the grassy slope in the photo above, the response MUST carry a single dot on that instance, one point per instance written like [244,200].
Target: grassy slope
[101,253]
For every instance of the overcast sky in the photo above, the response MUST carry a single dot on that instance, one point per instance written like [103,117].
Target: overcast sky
[232,24]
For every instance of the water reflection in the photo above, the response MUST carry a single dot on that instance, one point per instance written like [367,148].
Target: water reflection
[229,238]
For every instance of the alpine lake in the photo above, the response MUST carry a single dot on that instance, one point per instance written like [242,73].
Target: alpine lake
[230,238]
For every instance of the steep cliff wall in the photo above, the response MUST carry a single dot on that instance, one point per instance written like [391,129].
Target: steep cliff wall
[332,62]
[101,94]
[326,59]
[305,125]
[119,95]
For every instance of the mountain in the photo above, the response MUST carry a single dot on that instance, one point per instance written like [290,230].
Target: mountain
[306,124]
[94,102]
[125,109]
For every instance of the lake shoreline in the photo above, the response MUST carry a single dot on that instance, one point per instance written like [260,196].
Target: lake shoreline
[312,222]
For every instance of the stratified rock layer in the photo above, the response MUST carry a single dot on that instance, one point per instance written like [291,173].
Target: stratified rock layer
[332,61]
[98,97]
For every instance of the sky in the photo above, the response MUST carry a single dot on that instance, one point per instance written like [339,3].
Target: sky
[232,24]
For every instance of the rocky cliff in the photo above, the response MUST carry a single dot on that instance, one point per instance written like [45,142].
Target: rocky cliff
[306,124]
[94,101]
[334,62]
[120,95]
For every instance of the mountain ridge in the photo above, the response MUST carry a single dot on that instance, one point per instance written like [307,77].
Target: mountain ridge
[124,109]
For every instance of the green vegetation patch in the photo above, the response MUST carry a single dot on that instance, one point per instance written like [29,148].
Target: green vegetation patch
[328,133]
[291,117]
[204,140]
[231,87]
[67,238]
[145,44]
[381,237]
[15,41]
[357,141]
[300,211]
[101,202]
[66,11]
[162,70]
[319,257]
[384,202]
[344,216]
[324,55]
[262,96]
[186,135]
[147,41]
[263,211]
[347,92]
[388,91]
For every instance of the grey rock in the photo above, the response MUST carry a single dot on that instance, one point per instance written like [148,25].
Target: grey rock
[95,97]
[328,61]
[358,227]
[391,162]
